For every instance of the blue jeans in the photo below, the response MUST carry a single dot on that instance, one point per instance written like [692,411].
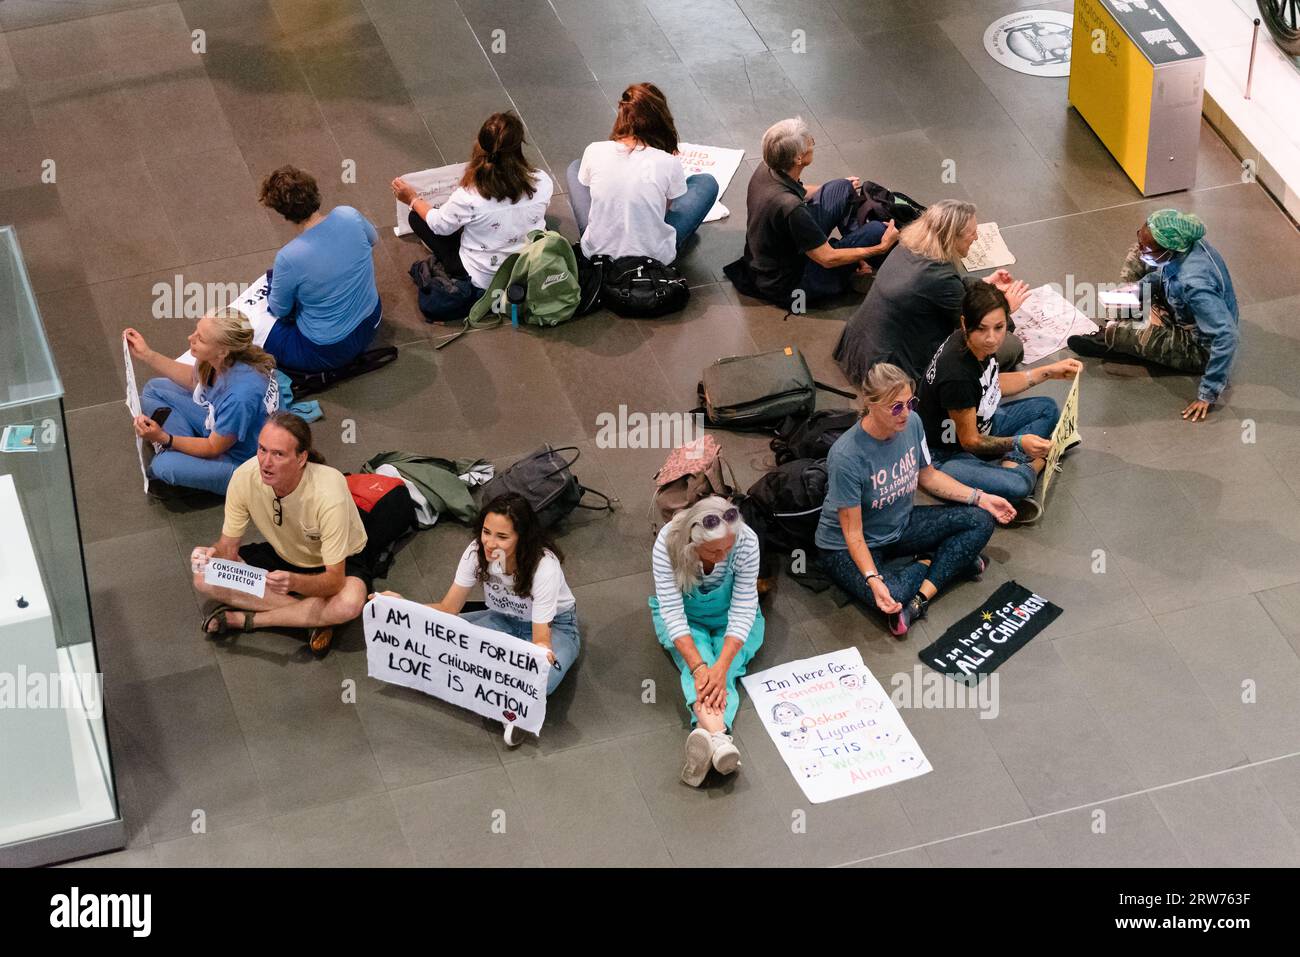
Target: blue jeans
[565,643]
[187,419]
[295,352]
[1033,416]
[829,206]
[685,216]
[952,536]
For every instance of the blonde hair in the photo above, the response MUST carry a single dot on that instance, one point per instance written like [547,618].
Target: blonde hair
[686,531]
[234,333]
[934,234]
[882,382]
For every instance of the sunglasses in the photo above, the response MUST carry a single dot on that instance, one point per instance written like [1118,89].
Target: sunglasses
[713,519]
[278,512]
[911,405]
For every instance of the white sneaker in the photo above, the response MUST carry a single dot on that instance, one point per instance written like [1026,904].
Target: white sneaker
[699,749]
[726,756]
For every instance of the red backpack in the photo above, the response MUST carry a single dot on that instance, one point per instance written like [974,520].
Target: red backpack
[387,512]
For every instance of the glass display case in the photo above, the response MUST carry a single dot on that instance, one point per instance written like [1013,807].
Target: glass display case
[58,798]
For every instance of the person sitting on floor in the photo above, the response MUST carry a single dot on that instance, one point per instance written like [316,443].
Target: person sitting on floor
[915,301]
[706,615]
[630,195]
[872,540]
[518,565]
[500,200]
[788,248]
[998,447]
[205,417]
[1193,321]
[319,566]
[322,286]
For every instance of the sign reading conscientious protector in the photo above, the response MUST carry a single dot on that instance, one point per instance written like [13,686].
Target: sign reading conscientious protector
[475,668]
[236,576]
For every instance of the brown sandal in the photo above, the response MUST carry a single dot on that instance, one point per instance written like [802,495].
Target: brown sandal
[319,639]
[223,627]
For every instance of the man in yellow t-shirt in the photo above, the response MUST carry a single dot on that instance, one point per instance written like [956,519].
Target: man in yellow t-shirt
[319,568]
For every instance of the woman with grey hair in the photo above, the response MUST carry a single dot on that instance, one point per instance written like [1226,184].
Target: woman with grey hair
[706,615]
[788,244]
[915,301]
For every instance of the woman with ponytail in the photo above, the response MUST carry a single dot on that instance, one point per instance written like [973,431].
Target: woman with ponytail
[204,418]
[501,198]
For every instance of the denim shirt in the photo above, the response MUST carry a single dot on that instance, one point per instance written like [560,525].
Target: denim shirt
[1199,291]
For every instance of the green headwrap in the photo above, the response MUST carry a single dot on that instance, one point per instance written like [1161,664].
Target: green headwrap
[1175,230]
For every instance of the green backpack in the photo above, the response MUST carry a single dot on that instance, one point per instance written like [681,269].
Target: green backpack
[547,269]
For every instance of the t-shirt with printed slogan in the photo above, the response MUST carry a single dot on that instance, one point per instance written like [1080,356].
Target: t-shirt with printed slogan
[238,403]
[319,522]
[879,476]
[550,597]
[955,380]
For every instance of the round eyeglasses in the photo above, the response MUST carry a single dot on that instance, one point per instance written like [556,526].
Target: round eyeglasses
[713,519]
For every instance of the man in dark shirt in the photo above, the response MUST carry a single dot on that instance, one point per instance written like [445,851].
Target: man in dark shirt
[787,244]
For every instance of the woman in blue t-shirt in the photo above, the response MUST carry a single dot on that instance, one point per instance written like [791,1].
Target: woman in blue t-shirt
[322,288]
[873,542]
[212,409]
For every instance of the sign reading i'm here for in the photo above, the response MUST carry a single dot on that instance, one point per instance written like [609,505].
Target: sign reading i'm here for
[479,669]
[236,576]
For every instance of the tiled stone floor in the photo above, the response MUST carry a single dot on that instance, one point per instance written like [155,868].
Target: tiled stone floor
[1133,697]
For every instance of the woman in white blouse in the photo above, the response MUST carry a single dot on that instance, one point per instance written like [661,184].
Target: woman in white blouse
[706,614]
[500,200]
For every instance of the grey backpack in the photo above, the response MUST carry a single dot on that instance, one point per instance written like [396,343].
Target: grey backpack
[759,391]
[544,478]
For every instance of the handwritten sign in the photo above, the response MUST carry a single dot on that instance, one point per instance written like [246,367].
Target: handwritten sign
[978,644]
[989,251]
[835,726]
[1045,320]
[475,668]
[1066,432]
[434,186]
[253,304]
[721,163]
[133,406]
[236,576]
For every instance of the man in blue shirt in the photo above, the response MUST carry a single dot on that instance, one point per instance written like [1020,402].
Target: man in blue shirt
[1193,323]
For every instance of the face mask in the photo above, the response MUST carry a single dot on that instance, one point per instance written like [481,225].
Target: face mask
[1152,260]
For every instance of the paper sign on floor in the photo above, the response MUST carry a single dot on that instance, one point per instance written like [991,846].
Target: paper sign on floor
[835,726]
[1045,320]
[719,161]
[484,671]
[434,186]
[989,251]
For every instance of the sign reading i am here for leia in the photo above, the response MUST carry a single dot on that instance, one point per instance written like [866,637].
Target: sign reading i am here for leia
[835,726]
[475,668]
[236,576]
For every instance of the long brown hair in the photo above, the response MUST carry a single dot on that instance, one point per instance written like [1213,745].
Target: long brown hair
[497,168]
[234,333]
[644,116]
[301,432]
[533,544]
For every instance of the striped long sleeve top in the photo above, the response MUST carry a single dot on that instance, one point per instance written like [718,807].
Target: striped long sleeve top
[742,560]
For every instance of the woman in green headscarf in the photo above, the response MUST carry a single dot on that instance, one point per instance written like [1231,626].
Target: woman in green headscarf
[1192,325]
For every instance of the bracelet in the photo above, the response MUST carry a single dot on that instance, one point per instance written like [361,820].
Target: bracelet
[1018,445]
[872,575]
[170,439]
[697,668]
[974,497]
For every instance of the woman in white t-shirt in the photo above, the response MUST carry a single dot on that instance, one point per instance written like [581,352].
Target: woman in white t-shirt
[523,585]
[501,198]
[630,195]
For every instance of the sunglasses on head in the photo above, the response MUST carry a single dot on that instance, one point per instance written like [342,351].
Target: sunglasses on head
[911,404]
[713,519]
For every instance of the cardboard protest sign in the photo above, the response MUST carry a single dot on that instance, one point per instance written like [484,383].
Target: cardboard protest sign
[1066,431]
[433,186]
[989,251]
[991,634]
[475,668]
[1045,320]
[252,303]
[236,576]
[719,162]
[835,726]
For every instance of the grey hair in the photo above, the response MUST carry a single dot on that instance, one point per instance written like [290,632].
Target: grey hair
[685,532]
[934,234]
[884,381]
[785,142]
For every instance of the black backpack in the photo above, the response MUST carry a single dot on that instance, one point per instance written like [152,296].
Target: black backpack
[638,287]
[880,204]
[387,520]
[544,479]
[590,278]
[784,505]
[811,437]
[309,383]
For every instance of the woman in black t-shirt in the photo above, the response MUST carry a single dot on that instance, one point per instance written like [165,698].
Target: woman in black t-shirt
[974,437]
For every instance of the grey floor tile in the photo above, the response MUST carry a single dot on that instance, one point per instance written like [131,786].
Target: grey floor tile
[1125,833]
[75,330]
[1283,607]
[106,475]
[1282,778]
[471,820]
[702,31]
[249,845]
[360,832]
[210,202]
[749,94]
[57,50]
[176,112]
[913,858]
[617,37]
[80,120]
[44,237]
[526,43]
[1022,845]
[132,857]
[1229,820]
[583,806]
